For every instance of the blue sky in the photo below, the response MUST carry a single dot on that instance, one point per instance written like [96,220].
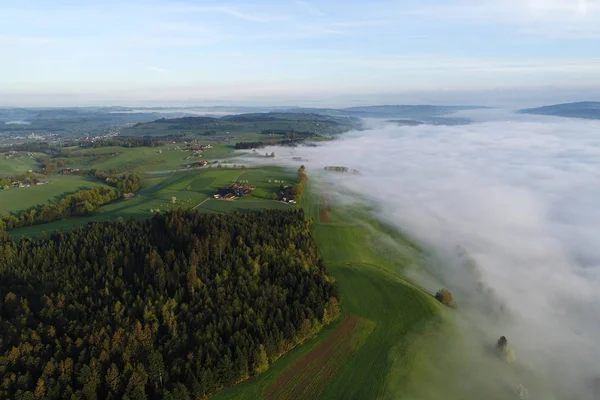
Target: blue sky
[127,51]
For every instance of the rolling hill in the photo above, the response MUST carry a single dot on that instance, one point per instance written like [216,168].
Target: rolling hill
[269,123]
[584,109]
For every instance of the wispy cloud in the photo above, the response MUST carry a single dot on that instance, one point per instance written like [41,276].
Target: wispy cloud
[26,40]
[234,12]
[359,23]
[543,17]
[156,69]
[449,62]
[309,7]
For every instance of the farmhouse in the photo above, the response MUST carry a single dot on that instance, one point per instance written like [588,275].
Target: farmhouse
[235,191]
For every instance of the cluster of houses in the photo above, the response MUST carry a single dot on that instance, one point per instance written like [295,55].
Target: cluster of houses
[197,148]
[18,184]
[234,191]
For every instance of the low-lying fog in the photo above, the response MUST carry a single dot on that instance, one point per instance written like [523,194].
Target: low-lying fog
[521,195]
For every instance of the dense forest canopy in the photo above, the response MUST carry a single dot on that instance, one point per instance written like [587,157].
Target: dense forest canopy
[175,307]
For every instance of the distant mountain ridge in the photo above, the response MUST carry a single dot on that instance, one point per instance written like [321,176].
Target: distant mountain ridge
[386,111]
[582,109]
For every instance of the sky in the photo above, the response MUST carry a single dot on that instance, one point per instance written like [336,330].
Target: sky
[298,51]
[519,195]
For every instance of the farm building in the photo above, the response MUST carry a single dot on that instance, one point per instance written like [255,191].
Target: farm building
[235,190]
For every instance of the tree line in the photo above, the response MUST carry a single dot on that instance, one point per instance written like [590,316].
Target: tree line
[249,145]
[125,183]
[175,307]
[295,192]
[299,187]
[81,203]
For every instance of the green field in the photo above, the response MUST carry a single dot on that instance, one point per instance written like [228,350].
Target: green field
[191,189]
[18,164]
[17,199]
[143,159]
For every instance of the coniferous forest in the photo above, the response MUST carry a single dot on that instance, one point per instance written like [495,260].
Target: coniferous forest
[176,307]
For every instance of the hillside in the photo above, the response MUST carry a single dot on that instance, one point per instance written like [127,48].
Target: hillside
[584,109]
[255,123]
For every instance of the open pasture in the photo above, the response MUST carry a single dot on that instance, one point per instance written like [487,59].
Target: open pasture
[17,199]
[17,164]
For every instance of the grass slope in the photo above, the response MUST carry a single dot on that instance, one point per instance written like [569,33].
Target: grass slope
[308,377]
[144,159]
[17,199]
[14,165]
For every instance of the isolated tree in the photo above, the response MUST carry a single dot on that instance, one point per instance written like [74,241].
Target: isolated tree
[502,343]
[444,296]
[274,196]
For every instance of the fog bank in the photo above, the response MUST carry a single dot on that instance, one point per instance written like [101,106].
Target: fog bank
[521,200]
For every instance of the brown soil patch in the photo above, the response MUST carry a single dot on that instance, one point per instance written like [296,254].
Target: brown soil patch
[324,209]
[307,378]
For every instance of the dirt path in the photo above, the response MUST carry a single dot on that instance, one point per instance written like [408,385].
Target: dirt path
[324,209]
[205,200]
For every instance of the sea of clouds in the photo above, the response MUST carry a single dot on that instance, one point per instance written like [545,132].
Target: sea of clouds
[520,196]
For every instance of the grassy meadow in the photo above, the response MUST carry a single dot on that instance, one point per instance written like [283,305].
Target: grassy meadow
[18,164]
[144,159]
[17,199]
